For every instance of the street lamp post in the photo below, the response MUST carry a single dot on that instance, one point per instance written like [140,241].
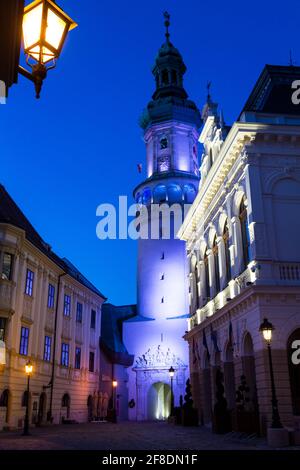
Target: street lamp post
[266,328]
[171,374]
[28,372]
[114,385]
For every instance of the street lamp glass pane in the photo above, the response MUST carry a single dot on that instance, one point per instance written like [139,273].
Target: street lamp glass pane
[46,56]
[267,335]
[32,23]
[28,368]
[55,29]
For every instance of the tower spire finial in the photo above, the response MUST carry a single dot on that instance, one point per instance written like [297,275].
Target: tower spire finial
[167,24]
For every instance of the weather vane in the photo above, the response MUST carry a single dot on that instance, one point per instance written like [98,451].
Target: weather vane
[167,24]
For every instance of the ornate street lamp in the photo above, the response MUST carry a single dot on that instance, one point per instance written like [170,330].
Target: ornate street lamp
[45,28]
[266,328]
[171,374]
[28,372]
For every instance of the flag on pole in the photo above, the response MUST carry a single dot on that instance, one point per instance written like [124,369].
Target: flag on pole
[194,352]
[214,338]
[204,341]
[230,335]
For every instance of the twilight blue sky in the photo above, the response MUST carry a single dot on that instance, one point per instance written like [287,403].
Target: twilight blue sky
[79,145]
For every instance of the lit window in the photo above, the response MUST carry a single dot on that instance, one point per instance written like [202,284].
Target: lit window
[77,357]
[67,305]
[65,354]
[91,361]
[79,312]
[47,348]
[51,294]
[7,266]
[93,319]
[29,282]
[24,340]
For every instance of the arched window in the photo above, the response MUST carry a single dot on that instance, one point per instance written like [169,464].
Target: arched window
[215,251]
[163,143]
[24,398]
[174,77]
[243,216]
[227,252]
[165,77]
[206,272]
[65,400]
[4,398]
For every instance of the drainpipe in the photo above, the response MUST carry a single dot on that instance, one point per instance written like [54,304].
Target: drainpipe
[51,383]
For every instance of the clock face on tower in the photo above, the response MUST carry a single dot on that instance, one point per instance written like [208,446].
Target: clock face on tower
[163,163]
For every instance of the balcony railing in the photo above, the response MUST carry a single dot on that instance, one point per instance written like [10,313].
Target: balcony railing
[289,272]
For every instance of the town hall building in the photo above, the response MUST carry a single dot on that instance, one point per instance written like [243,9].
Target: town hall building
[242,235]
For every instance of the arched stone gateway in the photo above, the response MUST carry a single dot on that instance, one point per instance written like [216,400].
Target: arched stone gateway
[153,390]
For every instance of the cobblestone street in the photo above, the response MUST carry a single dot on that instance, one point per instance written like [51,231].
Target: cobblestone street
[124,436]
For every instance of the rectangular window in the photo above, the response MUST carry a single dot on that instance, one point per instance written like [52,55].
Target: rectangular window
[65,354]
[91,361]
[79,312]
[77,358]
[24,340]
[51,294]
[67,305]
[47,348]
[7,266]
[93,319]
[2,328]
[29,282]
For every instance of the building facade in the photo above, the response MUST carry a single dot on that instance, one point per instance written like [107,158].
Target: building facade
[242,236]
[154,336]
[51,314]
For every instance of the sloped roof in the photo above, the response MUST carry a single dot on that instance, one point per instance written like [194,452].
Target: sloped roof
[111,340]
[11,214]
[272,92]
